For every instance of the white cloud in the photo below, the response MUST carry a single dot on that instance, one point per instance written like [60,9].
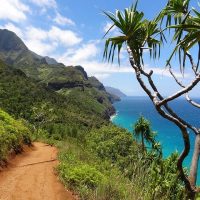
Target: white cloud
[104,68]
[112,32]
[61,20]
[83,54]
[54,34]
[46,42]
[33,33]
[65,37]
[86,55]
[45,3]
[40,47]
[13,10]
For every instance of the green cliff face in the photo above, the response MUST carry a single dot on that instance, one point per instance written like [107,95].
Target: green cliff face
[19,95]
[70,83]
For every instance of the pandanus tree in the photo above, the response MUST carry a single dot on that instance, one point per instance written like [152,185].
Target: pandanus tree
[142,130]
[137,34]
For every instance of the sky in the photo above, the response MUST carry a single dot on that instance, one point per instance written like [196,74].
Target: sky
[71,31]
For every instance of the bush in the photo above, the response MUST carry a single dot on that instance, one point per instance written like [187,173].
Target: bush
[89,177]
[110,142]
[78,175]
[81,175]
[153,176]
[111,166]
[13,133]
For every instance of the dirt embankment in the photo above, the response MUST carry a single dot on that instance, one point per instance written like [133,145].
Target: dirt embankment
[31,176]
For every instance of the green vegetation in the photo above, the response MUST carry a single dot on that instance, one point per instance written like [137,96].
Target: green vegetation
[13,134]
[107,163]
[137,33]
[20,95]
[66,108]
[97,160]
[142,129]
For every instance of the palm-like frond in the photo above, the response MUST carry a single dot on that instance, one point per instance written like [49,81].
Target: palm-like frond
[142,128]
[135,31]
[174,11]
[187,35]
[153,43]
[110,46]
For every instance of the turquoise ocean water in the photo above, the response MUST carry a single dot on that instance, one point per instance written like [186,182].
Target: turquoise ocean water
[130,108]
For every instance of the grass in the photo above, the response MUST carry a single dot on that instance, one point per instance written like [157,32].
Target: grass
[88,176]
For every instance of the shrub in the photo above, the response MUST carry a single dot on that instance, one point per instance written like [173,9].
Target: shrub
[13,133]
[81,175]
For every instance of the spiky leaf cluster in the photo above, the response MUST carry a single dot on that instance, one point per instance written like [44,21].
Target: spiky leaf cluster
[138,33]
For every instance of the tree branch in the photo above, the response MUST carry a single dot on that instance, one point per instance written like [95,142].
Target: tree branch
[181,92]
[186,95]
[154,97]
[191,101]
[175,78]
[166,106]
[194,67]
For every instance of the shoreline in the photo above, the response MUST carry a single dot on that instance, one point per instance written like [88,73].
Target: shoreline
[113,116]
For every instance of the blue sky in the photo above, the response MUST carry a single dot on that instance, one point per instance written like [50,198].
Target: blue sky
[71,31]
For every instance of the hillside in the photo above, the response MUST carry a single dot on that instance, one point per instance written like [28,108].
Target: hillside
[71,82]
[25,98]
[44,69]
[115,91]
[64,107]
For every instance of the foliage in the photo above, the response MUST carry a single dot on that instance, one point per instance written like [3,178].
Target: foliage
[112,152]
[23,96]
[134,31]
[78,174]
[13,133]
[142,129]
[88,176]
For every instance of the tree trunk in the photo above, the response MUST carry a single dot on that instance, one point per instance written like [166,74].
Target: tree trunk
[143,142]
[171,116]
[194,163]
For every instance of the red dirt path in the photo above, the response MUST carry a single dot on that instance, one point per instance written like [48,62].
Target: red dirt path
[31,176]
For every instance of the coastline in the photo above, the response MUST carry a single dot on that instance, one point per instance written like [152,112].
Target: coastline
[113,116]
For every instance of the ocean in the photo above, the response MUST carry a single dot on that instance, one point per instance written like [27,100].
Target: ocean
[129,109]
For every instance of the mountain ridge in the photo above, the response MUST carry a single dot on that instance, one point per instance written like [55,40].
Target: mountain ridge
[72,82]
[115,91]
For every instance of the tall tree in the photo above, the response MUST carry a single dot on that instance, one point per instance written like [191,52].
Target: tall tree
[138,34]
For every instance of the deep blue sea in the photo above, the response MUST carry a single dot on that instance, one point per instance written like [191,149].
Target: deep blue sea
[129,109]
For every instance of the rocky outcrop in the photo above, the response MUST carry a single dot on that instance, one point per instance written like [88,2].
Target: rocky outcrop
[96,83]
[9,41]
[81,69]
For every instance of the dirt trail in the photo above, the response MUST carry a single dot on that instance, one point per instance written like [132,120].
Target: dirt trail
[31,176]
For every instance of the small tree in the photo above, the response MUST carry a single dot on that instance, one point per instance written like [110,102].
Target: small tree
[138,34]
[42,114]
[142,129]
